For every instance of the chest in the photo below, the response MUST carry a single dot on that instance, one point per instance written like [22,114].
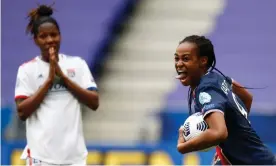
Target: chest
[194,107]
[41,74]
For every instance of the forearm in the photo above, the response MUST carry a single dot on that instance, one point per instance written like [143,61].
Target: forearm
[87,97]
[205,140]
[26,107]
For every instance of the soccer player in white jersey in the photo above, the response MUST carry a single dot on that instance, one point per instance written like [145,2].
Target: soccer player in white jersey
[50,92]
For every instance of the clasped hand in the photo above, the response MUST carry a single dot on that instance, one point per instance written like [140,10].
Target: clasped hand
[55,69]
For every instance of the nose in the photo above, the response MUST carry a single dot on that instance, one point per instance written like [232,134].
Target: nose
[49,39]
[179,64]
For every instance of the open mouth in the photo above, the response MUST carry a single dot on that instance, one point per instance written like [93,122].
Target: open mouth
[182,75]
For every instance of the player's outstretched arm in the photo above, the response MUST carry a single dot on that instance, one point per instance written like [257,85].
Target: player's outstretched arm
[243,94]
[216,133]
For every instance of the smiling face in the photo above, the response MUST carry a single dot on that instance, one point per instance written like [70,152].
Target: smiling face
[48,36]
[189,65]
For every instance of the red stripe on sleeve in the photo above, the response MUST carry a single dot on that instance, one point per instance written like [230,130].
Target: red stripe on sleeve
[21,97]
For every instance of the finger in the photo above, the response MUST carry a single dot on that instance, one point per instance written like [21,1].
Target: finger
[51,50]
[52,59]
[52,53]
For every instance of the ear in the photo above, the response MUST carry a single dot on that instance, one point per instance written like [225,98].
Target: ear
[203,61]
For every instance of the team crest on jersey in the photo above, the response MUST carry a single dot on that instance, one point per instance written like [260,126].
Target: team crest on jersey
[71,72]
[204,98]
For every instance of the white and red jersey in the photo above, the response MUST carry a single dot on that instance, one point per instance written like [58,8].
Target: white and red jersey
[54,131]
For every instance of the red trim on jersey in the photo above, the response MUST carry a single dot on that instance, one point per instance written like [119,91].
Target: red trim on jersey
[33,60]
[29,156]
[222,157]
[21,97]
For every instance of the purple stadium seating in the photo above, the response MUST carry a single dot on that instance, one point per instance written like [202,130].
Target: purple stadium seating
[84,24]
[244,40]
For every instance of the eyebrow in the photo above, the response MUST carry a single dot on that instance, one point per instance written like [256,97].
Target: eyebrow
[185,53]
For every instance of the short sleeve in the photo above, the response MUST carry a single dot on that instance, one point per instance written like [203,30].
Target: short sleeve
[23,88]
[87,78]
[211,99]
[229,80]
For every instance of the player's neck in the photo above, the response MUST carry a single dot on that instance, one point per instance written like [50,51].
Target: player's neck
[196,83]
[193,86]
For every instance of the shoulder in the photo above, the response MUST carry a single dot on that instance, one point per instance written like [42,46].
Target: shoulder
[210,79]
[214,80]
[73,59]
[212,84]
[28,66]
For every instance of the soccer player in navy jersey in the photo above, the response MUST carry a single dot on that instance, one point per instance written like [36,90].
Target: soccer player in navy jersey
[224,105]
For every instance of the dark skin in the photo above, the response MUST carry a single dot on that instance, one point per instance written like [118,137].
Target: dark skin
[186,59]
[48,37]
[194,66]
[48,40]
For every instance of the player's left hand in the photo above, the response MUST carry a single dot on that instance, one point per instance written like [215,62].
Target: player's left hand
[58,70]
[180,135]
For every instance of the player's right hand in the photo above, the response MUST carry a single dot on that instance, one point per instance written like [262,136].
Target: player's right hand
[52,59]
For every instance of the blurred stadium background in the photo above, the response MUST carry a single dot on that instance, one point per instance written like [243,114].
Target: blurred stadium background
[129,45]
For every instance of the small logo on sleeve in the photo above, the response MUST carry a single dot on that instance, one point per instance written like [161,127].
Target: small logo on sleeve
[204,98]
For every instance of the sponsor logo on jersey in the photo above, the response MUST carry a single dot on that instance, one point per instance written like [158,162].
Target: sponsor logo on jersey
[57,87]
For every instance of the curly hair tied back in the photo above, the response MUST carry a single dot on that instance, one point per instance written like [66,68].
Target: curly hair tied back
[38,16]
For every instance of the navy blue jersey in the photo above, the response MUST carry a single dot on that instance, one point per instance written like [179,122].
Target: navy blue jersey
[243,145]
